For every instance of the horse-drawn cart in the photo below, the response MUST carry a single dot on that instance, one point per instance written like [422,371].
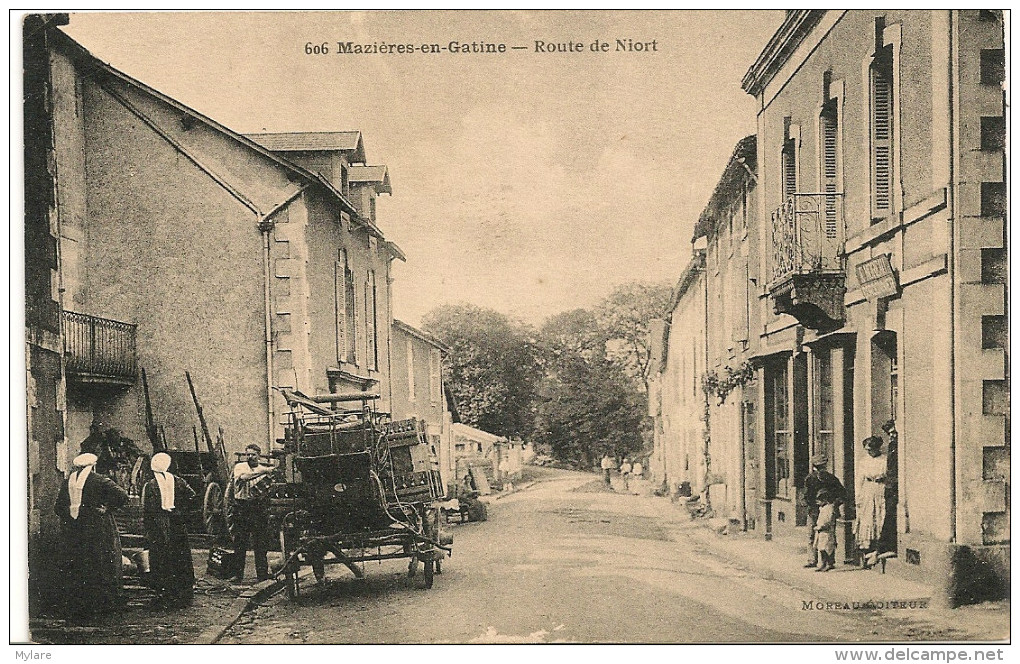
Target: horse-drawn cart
[354,487]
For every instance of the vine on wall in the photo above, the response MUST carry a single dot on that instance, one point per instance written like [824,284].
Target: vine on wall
[721,384]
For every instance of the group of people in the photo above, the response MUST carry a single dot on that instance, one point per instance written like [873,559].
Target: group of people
[874,497]
[91,557]
[628,470]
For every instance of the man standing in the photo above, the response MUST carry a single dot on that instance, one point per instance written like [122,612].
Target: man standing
[607,466]
[91,555]
[625,468]
[818,480]
[248,514]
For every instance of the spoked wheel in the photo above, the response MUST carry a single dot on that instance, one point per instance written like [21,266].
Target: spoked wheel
[213,515]
[291,582]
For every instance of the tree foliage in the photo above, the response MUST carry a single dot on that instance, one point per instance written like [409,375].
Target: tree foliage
[492,367]
[624,316]
[577,385]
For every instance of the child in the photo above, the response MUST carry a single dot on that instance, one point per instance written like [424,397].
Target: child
[825,531]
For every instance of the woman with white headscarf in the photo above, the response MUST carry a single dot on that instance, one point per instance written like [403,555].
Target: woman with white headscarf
[165,502]
[91,555]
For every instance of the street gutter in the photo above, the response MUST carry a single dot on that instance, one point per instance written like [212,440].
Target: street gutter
[247,599]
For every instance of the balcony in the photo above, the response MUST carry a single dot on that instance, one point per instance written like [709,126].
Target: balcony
[806,273]
[99,351]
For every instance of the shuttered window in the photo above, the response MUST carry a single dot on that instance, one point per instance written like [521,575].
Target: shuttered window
[434,375]
[410,369]
[789,168]
[340,300]
[830,173]
[881,135]
[371,341]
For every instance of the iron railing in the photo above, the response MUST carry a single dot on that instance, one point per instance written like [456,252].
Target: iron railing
[808,234]
[97,347]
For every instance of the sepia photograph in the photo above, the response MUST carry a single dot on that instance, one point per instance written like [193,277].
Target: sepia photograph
[512,327]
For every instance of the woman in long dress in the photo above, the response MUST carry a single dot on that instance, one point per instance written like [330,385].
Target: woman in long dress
[90,559]
[165,499]
[870,498]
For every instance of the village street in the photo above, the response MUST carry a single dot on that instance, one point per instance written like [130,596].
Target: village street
[565,560]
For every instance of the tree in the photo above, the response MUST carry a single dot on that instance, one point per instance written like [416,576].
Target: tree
[587,404]
[624,316]
[492,368]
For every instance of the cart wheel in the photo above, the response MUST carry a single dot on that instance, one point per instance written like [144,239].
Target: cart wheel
[291,582]
[212,510]
[430,568]
[412,567]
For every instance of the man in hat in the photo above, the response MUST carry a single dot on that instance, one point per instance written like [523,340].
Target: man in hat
[820,479]
[91,556]
[248,514]
[165,501]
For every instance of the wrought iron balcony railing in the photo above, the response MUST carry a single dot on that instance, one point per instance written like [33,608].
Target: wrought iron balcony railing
[99,350]
[808,233]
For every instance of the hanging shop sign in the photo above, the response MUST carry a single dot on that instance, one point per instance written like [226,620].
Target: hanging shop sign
[877,278]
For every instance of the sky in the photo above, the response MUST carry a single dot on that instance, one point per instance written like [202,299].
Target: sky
[529,182]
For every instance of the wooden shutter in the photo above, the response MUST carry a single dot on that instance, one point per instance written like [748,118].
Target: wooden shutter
[371,358]
[340,299]
[789,168]
[434,383]
[830,184]
[881,137]
[350,315]
[410,369]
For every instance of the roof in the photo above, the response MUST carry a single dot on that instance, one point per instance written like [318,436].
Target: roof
[415,332]
[99,66]
[313,141]
[377,175]
[694,267]
[471,433]
[742,164]
[797,25]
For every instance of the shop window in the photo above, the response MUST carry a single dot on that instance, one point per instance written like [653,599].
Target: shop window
[825,415]
[781,443]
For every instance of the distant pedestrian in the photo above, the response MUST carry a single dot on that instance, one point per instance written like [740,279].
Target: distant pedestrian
[825,530]
[637,471]
[625,469]
[165,502]
[90,560]
[819,479]
[607,466]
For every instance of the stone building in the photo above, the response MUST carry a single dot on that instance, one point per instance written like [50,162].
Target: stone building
[676,399]
[883,281]
[417,389]
[726,228]
[160,240]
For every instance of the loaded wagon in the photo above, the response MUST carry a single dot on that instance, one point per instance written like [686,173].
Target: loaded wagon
[353,486]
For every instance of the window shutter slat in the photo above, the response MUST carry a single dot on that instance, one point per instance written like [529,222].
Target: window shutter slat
[340,294]
[830,129]
[881,138]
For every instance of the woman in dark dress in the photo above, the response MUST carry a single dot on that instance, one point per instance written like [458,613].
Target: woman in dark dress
[90,559]
[165,501]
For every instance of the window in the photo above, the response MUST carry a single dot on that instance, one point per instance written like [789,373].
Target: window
[994,266]
[789,165]
[993,66]
[371,340]
[782,433]
[881,134]
[994,332]
[993,132]
[435,373]
[371,208]
[825,423]
[410,370]
[993,199]
[344,300]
